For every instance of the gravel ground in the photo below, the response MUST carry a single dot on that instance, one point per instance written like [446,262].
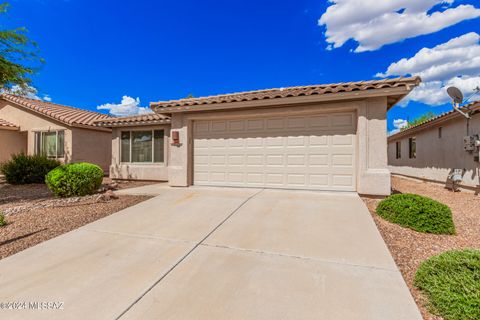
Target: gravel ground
[29,228]
[409,248]
[38,223]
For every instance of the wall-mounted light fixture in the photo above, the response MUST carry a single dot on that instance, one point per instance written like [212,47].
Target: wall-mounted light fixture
[175,138]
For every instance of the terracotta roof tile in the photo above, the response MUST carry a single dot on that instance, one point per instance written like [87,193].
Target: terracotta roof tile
[65,114]
[144,119]
[7,125]
[291,92]
[471,107]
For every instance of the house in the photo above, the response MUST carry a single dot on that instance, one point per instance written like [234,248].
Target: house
[434,148]
[323,137]
[60,132]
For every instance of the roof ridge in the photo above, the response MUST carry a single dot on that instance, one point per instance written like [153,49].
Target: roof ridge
[437,117]
[331,86]
[48,103]
[65,114]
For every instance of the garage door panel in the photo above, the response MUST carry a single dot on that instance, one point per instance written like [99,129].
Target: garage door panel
[312,152]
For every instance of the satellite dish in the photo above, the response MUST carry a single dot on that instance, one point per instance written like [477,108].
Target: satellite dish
[455,94]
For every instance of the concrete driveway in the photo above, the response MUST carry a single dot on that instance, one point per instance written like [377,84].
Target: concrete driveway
[214,253]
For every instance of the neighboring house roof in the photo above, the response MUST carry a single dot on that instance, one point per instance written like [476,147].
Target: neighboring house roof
[7,125]
[64,114]
[144,119]
[473,107]
[324,90]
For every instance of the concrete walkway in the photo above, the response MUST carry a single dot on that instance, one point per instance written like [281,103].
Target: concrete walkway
[215,253]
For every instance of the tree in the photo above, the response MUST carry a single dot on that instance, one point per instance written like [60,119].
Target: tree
[420,119]
[19,58]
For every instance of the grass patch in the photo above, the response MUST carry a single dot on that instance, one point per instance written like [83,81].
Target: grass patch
[451,281]
[418,213]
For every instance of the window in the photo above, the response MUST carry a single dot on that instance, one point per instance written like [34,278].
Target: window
[440,133]
[412,148]
[50,144]
[142,146]
[398,145]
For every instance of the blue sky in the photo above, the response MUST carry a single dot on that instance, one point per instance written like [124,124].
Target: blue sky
[96,52]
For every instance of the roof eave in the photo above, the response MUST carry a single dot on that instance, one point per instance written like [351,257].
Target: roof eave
[474,109]
[134,124]
[9,128]
[89,127]
[424,126]
[400,91]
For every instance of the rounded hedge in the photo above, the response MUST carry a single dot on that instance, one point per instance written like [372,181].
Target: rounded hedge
[418,213]
[75,179]
[25,169]
[451,281]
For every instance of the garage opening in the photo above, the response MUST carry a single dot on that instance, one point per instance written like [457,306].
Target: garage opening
[314,152]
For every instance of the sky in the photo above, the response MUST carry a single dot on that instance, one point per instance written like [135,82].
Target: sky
[118,56]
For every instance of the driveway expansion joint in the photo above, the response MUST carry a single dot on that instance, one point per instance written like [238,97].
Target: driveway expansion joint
[316,260]
[187,254]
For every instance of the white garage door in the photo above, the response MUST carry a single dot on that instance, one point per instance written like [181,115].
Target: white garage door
[314,152]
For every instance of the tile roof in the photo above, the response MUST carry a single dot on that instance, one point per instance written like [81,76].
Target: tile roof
[471,107]
[7,125]
[144,119]
[64,114]
[323,89]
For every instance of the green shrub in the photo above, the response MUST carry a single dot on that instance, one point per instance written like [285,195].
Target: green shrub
[24,169]
[451,281]
[418,213]
[75,179]
[2,220]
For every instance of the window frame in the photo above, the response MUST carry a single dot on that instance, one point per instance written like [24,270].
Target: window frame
[412,154]
[153,162]
[39,144]
[398,149]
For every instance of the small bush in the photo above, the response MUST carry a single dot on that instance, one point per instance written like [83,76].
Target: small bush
[451,281]
[24,169]
[75,179]
[418,213]
[2,220]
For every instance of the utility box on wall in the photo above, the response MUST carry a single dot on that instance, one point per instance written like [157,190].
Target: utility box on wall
[469,143]
[472,144]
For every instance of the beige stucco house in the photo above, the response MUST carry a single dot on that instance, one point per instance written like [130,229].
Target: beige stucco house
[323,137]
[433,149]
[60,132]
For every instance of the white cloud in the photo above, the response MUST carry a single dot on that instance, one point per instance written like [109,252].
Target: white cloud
[398,124]
[128,107]
[454,63]
[26,91]
[459,56]
[373,23]
[435,92]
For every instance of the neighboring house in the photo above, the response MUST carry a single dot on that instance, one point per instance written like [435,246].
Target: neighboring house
[433,149]
[323,137]
[60,132]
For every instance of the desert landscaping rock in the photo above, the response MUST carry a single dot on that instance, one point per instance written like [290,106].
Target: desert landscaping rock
[409,248]
[34,215]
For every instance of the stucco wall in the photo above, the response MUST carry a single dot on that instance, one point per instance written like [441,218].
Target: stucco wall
[12,142]
[373,176]
[30,122]
[137,171]
[80,144]
[437,157]
[92,146]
